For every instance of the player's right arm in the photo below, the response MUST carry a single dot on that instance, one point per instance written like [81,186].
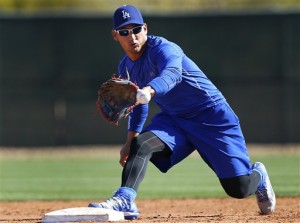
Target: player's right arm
[168,60]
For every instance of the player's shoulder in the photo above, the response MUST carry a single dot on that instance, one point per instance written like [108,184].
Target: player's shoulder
[157,41]
[159,44]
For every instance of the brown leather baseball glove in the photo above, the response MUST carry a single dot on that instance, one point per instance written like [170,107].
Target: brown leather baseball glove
[116,99]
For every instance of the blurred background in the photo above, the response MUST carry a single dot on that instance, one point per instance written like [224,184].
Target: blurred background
[54,55]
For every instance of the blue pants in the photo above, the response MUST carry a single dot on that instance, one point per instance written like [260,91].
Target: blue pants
[215,133]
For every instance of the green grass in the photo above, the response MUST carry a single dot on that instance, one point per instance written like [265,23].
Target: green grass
[81,177]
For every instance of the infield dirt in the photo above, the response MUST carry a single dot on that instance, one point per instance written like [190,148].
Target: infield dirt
[167,210]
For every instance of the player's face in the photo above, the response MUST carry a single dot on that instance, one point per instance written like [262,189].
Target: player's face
[132,39]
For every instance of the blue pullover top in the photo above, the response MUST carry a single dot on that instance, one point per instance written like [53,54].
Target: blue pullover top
[181,88]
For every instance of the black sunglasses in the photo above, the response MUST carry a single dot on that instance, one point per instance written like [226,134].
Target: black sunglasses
[125,32]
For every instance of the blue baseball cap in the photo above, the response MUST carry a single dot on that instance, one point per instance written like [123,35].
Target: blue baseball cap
[127,14]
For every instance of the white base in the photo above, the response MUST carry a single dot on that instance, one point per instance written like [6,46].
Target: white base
[82,214]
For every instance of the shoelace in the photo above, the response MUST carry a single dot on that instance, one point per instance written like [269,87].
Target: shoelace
[117,203]
[262,194]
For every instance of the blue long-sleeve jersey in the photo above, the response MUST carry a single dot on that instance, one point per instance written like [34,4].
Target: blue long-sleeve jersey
[181,88]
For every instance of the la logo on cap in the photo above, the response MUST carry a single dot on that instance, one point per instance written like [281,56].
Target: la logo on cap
[125,14]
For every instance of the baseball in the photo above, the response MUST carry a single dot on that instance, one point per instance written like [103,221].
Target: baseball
[143,96]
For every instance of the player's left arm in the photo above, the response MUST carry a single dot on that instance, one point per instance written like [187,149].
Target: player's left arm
[137,118]
[124,152]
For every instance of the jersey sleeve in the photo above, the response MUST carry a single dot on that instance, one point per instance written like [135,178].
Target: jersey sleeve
[137,118]
[168,60]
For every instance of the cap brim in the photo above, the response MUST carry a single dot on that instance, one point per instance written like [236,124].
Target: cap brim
[128,23]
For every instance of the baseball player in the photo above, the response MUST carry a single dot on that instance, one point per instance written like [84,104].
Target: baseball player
[194,116]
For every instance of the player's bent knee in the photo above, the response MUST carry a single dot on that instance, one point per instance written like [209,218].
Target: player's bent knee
[237,187]
[235,193]
[141,146]
[137,146]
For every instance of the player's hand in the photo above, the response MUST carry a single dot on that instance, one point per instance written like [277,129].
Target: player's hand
[124,152]
[143,96]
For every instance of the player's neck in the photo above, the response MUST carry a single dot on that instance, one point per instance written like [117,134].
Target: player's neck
[135,56]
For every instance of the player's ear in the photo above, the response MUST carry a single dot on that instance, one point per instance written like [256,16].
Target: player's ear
[114,35]
[145,27]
